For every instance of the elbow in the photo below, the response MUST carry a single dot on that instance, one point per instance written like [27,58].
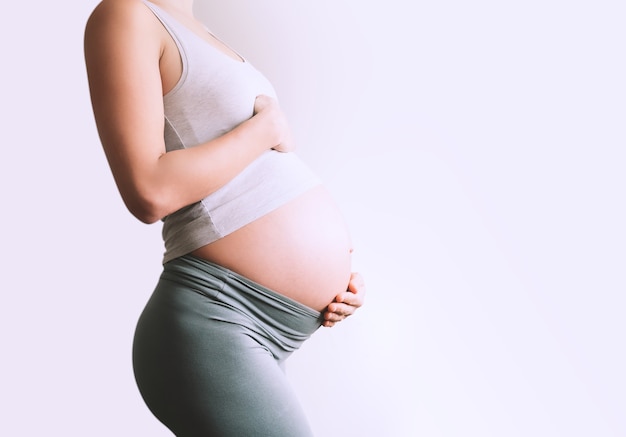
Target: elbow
[145,216]
[147,209]
[144,213]
[148,199]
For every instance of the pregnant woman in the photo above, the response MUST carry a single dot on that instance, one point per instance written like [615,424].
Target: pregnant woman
[257,256]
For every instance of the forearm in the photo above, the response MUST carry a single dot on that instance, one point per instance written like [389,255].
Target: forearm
[185,176]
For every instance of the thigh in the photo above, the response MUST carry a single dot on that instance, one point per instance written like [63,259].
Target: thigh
[203,374]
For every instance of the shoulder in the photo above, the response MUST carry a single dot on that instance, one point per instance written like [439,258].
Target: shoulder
[122,24]
[119,8]
[119,16]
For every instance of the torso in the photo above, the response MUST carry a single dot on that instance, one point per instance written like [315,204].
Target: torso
[301,250]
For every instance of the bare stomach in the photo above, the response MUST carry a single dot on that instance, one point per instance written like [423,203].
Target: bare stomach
[301,250]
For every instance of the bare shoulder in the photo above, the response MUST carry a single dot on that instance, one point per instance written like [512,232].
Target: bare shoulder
[118,8]
[113,16]
[120,31]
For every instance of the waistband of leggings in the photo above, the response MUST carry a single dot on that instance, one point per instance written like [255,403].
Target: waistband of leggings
[211,278]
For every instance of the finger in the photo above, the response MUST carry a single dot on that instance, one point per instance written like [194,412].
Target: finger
[350,299]
[341,309]
[328,324]
[333,319]
[334,316]
[336,313]
[356,284]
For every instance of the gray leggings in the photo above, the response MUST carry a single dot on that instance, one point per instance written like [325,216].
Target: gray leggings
[209,350]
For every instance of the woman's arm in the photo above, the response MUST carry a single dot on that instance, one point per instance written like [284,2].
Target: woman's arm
[123,47]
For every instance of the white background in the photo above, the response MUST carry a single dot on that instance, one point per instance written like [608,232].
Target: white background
[477,151]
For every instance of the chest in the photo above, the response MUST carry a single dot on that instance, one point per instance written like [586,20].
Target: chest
[207,91]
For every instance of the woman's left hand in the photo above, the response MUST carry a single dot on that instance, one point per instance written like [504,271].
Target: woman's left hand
[346,303]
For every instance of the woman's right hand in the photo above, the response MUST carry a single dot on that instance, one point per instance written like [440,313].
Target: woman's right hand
[268,108]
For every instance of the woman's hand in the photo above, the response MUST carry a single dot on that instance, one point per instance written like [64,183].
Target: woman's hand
[346,303]
[267,107]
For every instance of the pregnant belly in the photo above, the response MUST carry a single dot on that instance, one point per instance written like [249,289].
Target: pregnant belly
[301,250]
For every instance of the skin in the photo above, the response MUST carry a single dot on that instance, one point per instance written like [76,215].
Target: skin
[130,66]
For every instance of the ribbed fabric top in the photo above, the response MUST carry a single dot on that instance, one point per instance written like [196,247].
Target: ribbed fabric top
[215,94]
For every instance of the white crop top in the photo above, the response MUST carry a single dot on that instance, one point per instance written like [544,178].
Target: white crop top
[215,94]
